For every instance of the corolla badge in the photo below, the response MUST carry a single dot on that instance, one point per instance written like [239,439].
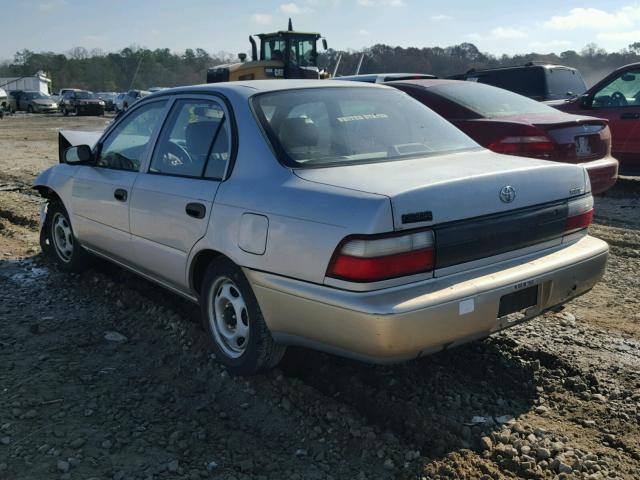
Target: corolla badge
[508,194]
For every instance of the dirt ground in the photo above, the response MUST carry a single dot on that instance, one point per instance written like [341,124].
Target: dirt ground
[558,397]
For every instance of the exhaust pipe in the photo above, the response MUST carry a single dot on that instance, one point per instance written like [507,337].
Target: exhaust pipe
[254,49]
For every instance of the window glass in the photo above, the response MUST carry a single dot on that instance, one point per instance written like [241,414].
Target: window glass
[124,148]
[488,101]
[186,146]
[274,49]
[529,82]
[622,92]
[302,52]
[563,83]
[332,126]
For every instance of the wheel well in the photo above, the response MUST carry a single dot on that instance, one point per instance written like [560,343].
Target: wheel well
[199,267]
[48,193]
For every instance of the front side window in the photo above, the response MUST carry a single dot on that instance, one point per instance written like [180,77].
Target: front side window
[195,141]
[337,126]
[623,91]
[124,147]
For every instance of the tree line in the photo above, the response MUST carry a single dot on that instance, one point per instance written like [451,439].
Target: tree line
[135,67]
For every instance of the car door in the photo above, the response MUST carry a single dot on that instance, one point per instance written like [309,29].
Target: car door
[171,202]
[101,192]
[618,100]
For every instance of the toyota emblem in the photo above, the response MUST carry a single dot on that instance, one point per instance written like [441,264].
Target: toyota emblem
[508,194]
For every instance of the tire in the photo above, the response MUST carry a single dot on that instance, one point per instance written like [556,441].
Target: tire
[58,242]
[66,112]
[232,318]
[29,109]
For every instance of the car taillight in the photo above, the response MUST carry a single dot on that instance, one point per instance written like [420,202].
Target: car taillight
[580,214]
[538,146]
[380,257]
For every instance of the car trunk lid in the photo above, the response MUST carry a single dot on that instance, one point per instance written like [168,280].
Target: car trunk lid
[447,188]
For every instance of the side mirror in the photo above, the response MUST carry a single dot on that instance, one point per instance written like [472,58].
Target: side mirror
[78,155]
[586,101]
[324,43]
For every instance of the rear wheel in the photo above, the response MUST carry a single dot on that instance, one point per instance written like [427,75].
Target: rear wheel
[58,242]
[232,318]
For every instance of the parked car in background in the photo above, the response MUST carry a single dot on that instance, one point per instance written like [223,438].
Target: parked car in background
[109,100]
[81,102]
[343,216]
[118,102]
[7,102]
[540,81]
[506,122]
[37,102]
[384,77]
[132,96]
[58,96]
[616,98]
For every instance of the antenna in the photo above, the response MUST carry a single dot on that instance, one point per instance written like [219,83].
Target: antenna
[335,69]
[290,25]
[359,64]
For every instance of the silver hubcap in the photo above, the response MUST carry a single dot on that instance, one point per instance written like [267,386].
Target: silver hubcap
[62,237]
[228,317]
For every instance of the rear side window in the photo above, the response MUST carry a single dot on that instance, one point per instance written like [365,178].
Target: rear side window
[326,126]
[564,83]
[529,82]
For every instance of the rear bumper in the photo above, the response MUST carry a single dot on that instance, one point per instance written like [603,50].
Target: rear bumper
[405,322]
[603,174]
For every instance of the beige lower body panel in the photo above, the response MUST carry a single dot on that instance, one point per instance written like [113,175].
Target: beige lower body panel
[405,322]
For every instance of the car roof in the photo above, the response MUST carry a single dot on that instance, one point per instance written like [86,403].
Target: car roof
[528,65]
[428,82]
[252,87]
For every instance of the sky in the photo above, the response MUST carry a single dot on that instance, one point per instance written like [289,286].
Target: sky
[497,26]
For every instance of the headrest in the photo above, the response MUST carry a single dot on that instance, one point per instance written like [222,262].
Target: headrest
[298,132]
[198,136]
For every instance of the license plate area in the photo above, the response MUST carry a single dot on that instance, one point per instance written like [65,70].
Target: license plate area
[586,145]
[518,302]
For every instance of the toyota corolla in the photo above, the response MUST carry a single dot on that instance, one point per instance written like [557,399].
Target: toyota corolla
[345,217]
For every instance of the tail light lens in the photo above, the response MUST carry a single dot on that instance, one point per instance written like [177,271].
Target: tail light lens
[538,146]
[380,257]
[580,214]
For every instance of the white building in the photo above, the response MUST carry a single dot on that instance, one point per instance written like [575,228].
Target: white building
[38,82]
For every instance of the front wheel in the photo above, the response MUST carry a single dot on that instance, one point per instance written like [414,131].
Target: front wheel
[232,318]
[58,242]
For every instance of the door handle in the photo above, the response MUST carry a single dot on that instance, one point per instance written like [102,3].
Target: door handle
[120,194]
[630,116]
[196,210]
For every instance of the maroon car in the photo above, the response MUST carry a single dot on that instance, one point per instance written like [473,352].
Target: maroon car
[509,123]
[616,98]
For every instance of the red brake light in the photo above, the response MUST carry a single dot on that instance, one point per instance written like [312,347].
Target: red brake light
[538,146]
[580,214]
[374,258]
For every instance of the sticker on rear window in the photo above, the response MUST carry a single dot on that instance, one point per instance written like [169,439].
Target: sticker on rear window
[368,116]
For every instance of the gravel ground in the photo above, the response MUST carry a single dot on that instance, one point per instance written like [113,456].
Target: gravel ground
[103,375]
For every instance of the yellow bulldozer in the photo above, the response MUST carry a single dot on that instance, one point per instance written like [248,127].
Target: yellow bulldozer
[283,54]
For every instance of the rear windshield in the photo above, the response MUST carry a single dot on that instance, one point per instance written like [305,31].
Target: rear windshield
[318,127]
[529,82]
[564,83]
[488,101]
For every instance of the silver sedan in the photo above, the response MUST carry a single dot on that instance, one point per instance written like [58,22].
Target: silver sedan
[344,217]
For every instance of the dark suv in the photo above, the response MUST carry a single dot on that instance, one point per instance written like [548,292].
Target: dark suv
[540,81]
